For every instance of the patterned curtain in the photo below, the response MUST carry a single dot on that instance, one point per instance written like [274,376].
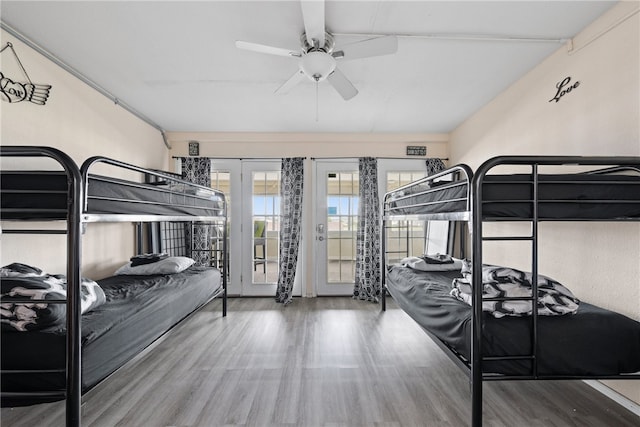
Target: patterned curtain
[291,180]
[434,165]
[367,286]
[198,171]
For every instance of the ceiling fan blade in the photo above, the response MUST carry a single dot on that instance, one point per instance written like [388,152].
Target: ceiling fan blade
[342,85]
[378,46]
[293,80]
[313,15]
[261,48]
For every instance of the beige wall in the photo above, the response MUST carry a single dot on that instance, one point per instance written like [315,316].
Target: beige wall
[83,123]
[318,145]
[600,262]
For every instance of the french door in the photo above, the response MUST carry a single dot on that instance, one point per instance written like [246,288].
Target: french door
[336,221]
[260,227]
[252,188]
[253,193]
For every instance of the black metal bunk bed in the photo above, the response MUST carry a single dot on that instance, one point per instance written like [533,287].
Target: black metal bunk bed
[76,198]
[533,347]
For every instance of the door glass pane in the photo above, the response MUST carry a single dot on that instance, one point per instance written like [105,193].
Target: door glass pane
[342,219]
[266,226]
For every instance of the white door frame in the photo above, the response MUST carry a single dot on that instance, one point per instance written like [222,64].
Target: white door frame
[321,168]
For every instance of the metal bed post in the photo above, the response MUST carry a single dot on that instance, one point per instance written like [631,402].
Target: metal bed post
[224,256]
[476,305]
[73,393]
[383,256]
[534,271]
[74,374]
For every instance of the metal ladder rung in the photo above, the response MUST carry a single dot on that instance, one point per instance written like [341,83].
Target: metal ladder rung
[509,299]
[502,358]
[32,371]
[25,300]
[28,231]
[60,394]
[516,238]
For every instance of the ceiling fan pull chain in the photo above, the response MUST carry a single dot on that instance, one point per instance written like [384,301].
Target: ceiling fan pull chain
[316,100]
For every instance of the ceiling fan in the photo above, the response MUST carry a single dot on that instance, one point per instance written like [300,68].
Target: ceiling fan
[318,57]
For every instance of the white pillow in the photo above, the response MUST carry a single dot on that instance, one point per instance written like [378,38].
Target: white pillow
[169,265]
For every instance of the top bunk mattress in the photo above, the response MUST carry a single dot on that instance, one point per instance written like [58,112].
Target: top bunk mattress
[43,195]
[510,197]
[592,342]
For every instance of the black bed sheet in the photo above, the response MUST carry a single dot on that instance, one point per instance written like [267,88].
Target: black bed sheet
[573,196]
[593,342]
[139,309]
[43,195]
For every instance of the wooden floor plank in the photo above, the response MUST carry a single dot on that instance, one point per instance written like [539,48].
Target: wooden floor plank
[316,362]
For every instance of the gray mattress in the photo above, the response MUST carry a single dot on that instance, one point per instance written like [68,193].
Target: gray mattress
[594,342]
[139,309]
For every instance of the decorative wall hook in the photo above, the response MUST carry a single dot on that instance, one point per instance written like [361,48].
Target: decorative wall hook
[12,91]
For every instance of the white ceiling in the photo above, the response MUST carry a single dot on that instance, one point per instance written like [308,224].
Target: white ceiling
[175,62]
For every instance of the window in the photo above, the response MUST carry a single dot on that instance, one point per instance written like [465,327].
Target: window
[404,237]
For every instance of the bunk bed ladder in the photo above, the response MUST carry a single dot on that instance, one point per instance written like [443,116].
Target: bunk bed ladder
[477,373]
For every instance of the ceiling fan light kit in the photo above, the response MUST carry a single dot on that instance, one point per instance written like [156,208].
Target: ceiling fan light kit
[317,59]
[317,65]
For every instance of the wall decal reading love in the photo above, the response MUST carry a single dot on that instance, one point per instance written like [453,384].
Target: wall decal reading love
[12,91]
[563,88]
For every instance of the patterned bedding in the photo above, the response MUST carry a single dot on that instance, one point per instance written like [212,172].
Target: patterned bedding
[19,281]
[553,298]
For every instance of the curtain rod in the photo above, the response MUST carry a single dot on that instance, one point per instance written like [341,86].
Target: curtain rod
[77,74]
[311,158]
[235,158]
[380,158]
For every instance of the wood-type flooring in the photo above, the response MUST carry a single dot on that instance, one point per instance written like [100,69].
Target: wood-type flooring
[316,362]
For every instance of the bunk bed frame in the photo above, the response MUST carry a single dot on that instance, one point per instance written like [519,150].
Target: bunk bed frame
[465,198]
[76,212]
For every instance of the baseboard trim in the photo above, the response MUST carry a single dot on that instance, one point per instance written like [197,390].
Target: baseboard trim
[615,396]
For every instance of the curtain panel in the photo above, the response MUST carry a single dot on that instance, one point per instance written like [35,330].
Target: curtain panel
[367,275]
[291,189]
[434,165]
[198,171]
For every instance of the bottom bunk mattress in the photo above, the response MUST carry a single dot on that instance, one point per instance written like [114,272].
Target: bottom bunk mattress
[138,310]
[594,342]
